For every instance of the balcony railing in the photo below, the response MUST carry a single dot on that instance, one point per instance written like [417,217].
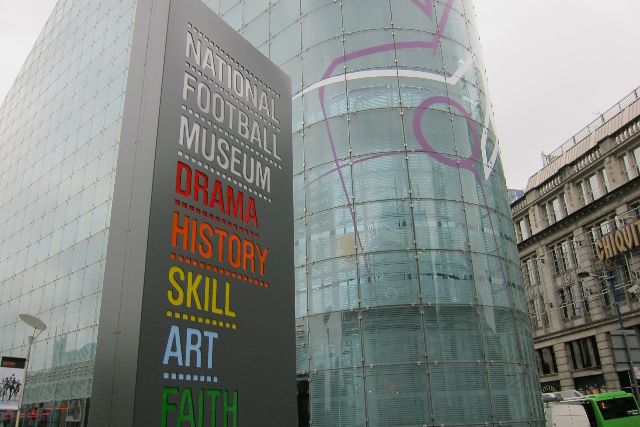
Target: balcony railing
[593,126]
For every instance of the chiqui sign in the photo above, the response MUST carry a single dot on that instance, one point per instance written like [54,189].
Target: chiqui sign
[197,325]
[618,241]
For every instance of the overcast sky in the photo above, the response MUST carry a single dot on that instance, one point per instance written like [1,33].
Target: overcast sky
[553,66]
[20,25]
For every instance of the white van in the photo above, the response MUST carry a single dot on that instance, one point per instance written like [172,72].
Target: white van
[565,415]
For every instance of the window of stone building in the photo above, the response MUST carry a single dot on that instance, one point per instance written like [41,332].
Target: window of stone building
[573,300]
[546,361]
[564,302]
[626,164]
[584,353]
[567,254]
[600,229]
[562,255]
[534,312]
[606,298]
[636,159]
[547,214]
[558,263]
[530,272]
[524,228]
[579,301]
[634,213]
[559,207]
[603,178]
[592,187]
[576,249]
[586,195]
[595,187]
[629,163]
[594,234]
[537,313]
[586,294]
[587,191]
[554,210]
[590,384]
[618,279]
[579,191]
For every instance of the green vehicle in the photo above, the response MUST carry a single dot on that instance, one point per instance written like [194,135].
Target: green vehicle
[615,409]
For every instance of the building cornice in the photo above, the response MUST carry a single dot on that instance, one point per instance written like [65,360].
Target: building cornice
[594,327]
[617,197]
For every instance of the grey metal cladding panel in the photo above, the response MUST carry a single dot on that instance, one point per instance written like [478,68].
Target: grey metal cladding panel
[118,335]
[251,328]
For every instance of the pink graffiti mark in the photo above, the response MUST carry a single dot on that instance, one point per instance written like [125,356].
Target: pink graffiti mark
[427,8]
[469,163]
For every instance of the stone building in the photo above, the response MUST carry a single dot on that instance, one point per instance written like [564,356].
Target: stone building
[578,239]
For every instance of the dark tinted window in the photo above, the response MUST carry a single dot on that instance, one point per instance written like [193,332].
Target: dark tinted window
[618,408]
[590,413]
[584,353]
[546,360]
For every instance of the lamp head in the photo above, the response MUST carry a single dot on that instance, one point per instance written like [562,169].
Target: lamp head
[33,321]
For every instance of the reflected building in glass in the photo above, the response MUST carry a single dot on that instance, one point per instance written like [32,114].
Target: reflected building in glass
[410,304]
[59,136]
[409,301]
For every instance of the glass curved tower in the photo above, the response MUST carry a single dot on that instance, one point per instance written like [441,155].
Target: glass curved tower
[409,302]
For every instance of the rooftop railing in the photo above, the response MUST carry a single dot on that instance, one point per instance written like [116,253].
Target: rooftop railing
[592,127]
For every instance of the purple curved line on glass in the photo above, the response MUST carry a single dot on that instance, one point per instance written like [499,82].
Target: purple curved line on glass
[426,7]
[433,44]
[353,162]
[468,163]
[364,159]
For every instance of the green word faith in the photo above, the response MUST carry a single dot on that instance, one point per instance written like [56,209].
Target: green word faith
[199,408]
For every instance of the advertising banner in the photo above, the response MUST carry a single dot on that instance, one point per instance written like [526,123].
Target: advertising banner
[11,382]
[74,411]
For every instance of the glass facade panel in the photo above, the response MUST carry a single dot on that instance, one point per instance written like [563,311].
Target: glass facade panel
[448,382]
[380,178]
[341,392]
[362,40]
[373,93]
[332,286]
[396,395]
[388,279]
[361,15]
[322,24]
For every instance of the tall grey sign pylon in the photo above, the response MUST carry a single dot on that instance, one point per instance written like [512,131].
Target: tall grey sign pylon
[197,315]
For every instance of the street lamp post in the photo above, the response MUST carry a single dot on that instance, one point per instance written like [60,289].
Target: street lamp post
[38,326]
[605,280]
